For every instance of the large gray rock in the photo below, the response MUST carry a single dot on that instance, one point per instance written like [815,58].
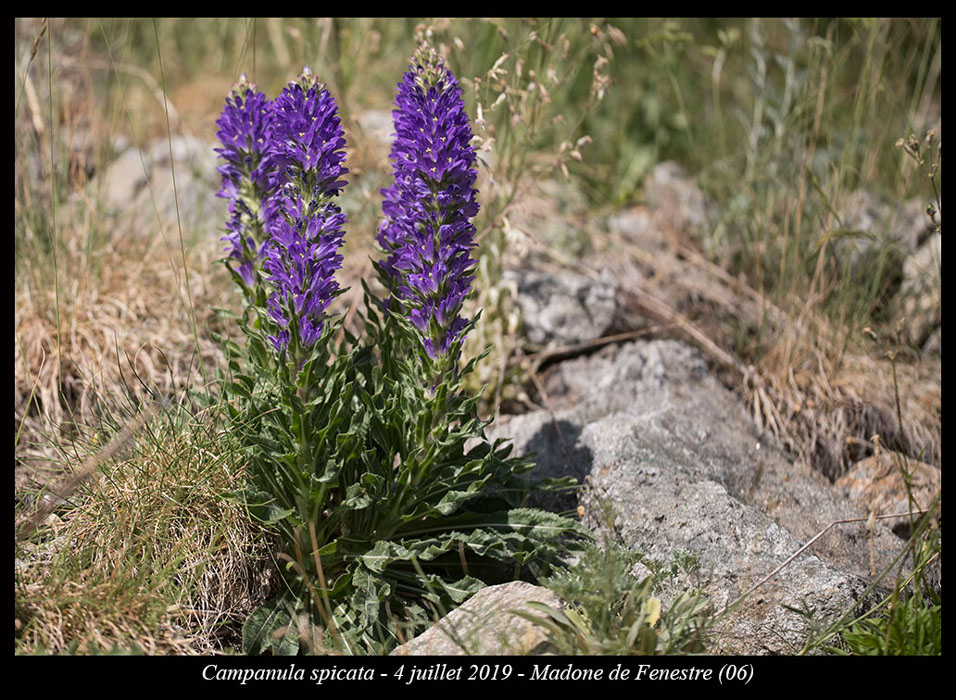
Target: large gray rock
[674,458]
[137,189]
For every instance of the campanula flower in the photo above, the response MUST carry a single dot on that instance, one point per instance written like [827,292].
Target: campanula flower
[427,234]
[306,226]
[245,135]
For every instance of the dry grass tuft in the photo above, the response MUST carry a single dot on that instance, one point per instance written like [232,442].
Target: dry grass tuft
[153,553]
[125,336]
[832,416]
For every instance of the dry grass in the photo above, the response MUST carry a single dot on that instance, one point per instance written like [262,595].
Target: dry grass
[153,552]
[124,334]
[150,551]
[832,416]
[828,400]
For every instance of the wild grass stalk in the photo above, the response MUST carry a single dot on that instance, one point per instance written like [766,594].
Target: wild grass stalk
[179,223]
[53,202]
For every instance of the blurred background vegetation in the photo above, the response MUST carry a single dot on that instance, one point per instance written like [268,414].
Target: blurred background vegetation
[779,121]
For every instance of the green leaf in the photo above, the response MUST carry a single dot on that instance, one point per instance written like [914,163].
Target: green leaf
[286,643]
[264,507]
[382,554]
[451,501]
[248,381]
[356,497]
[329,549]
[260,627]
[369,593]
[327,474]
[461,589]
[373,482]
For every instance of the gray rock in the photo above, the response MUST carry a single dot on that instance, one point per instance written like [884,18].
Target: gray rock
[186,151]
[637,225]
[552,214]
[563,308]
[124,178]
[671,191]
[137,188]
[486,625]
[904,226]
[877,485]
[378,125]
[660,509]
[877,236]
[672,455]
[919,301]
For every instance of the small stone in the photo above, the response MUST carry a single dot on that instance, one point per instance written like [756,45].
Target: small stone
[487,625]
[563,308]
[671,191]
[919,301]
[876,484]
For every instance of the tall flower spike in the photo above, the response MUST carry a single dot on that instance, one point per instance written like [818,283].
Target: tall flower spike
[427,234]
[306,226]
[244,132]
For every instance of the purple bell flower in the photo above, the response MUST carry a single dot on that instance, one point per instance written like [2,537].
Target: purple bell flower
[306,226]
[245,135]
[427,234]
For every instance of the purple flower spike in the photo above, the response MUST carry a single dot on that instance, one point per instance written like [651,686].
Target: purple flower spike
[244,132]
[427,234]
[306,226]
